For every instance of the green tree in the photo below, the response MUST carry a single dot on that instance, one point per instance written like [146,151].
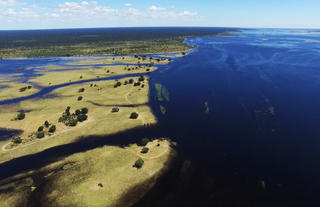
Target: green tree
[21,116]
[84,110]
[134,115]
[144,141]
[40,134]
[16,140]
[139,163]
[46,124]
[82,117]
[145,150]
[52,129]
[40,129]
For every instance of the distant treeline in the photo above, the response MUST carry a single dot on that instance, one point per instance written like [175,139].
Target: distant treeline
[67,42]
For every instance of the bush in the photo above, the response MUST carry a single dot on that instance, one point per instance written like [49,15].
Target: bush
[77,112]
[16,140]
[40,134]
[134,115]
[23,89]
[131,81]
[117,84]
[139,163]
[21,116]
[40,129]
[52,129]
[82,117]
[46,124]
[80,98]
[144,141]
[136,84]
[84,110]
[29,87]
[81,90]
[72,122]
[115,109]
[141,78]
[145,150]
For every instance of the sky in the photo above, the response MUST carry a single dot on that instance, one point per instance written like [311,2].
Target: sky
[48,14]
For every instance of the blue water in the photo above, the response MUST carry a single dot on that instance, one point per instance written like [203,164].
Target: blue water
[258,145]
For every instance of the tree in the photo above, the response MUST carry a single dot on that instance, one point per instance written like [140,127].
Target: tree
[73,122]
[16,140]
[46,124]
[40,129]
[131,81]
[136,84]
[40,134]
[141,78]
[145,150]
[52,129]
[84,110]
[82,117]
[21,116]
[80,98]
[81,90]
[134,115]
[139,163]
[144,141]
[115,109]
[77,112]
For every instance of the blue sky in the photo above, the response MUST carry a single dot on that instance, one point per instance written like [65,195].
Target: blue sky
[43,14]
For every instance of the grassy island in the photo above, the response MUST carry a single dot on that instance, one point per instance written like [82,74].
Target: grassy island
[98,177]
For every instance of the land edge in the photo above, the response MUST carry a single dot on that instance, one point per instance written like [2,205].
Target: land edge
[190,47]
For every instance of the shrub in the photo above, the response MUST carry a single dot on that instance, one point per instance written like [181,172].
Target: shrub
[136,84]
[29,87]
[82,117]
[134,115]
[145,150]
[144,141]
[84,110]
[21,116]
[81,90]
[141,78]
[23,89]
[40,129]
[81,77]
[139,163]
[52,129]
[46,124]
[77,112]
[117,84]
[131,81]
[16,140]
[40,134]
[80,98]
[115,109]
[72,122]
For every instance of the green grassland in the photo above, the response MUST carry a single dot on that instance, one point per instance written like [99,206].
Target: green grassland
[113,41]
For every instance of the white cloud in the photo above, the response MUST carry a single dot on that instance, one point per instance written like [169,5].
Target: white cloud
[155,8]
[188,13]
[128,4]
[7,3]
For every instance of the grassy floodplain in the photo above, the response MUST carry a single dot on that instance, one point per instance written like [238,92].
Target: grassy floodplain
[98,177]
[107,172]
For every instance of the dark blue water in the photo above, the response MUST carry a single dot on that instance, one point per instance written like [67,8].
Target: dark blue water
[258,144]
